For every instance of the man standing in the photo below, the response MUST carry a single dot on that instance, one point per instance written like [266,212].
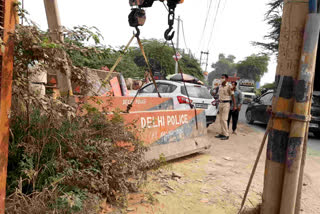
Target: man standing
[235,113]
[225,95]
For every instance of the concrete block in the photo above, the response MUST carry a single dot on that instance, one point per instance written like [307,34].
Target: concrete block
[172,133]
[110,104]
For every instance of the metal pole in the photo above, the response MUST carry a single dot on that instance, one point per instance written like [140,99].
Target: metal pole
[290,46]
[178,33]
[6,71]
[23,11]
[303,99]
[54,24]
[207,60]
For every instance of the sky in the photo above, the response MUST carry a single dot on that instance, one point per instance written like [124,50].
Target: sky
[229,29]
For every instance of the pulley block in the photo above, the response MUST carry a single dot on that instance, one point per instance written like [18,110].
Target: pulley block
[141,3]
[137,17]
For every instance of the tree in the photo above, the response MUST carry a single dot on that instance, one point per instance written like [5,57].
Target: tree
[253,67]
[160,56]
[133,64]
[225,65]
[273,18]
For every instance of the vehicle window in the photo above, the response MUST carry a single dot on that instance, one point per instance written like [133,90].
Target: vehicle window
[316,100]
[267,99]
[148,89]
[166,88]
[196,92]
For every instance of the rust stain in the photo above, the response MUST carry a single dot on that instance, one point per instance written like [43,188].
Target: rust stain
[5,94]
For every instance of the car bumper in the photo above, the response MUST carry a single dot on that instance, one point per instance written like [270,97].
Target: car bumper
[211,119]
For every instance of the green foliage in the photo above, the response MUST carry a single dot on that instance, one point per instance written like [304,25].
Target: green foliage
[127,66]
[95,59]
[269,85]
[133,64]
[225,65]
[71,201]
[191,66]
[273,18]
[79,155]
[253,67]
[56,158]
[265,88]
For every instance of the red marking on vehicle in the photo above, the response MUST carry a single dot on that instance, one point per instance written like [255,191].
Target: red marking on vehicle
[182,99]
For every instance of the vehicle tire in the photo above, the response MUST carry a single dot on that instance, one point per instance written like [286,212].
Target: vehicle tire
[249,117]
[316,134]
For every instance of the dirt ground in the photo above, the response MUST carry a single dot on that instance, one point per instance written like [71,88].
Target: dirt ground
[215,181]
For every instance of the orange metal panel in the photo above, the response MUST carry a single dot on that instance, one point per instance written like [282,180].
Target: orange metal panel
[5,94]
[113,103]
[164,127]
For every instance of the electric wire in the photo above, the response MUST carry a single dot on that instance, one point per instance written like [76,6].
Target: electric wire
[214,22]
[205,22]
[184,37]
[224,5]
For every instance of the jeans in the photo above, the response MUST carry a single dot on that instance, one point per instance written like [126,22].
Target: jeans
[235,117]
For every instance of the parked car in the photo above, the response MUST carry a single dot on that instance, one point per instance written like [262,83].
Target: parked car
[257,111]
[198,94]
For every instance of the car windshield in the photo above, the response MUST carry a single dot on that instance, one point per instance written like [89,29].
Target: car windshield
[316,100]
[246,89]
[196,92]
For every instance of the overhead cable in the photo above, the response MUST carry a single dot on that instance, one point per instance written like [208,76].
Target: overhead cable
[214,22]
[205,23]
[184,37]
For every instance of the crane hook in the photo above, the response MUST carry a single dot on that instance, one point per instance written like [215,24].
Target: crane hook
[166,34]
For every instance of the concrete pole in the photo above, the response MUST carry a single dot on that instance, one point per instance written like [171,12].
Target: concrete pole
[8,22]
[54,24]
[303,99]
[207,60]
[290,46]
[178,35]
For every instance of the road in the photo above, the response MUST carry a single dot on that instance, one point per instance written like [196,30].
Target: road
[313,143]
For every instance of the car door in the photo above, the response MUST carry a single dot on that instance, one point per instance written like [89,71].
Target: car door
[261,109]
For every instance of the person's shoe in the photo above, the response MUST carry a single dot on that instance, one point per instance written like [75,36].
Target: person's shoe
[219,136]
[224,138]
[234,132]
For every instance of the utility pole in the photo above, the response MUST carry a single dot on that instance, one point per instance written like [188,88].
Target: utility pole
[54,24]
[207,58]
[206,63]
[178,34]
[291,109]
[299,128]
[7,23]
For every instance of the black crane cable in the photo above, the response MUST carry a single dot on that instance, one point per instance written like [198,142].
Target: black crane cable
[150,72]
[184,83]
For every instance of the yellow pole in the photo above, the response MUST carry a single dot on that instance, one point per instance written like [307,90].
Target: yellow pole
[303,99]
[290,45]
[54,24]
